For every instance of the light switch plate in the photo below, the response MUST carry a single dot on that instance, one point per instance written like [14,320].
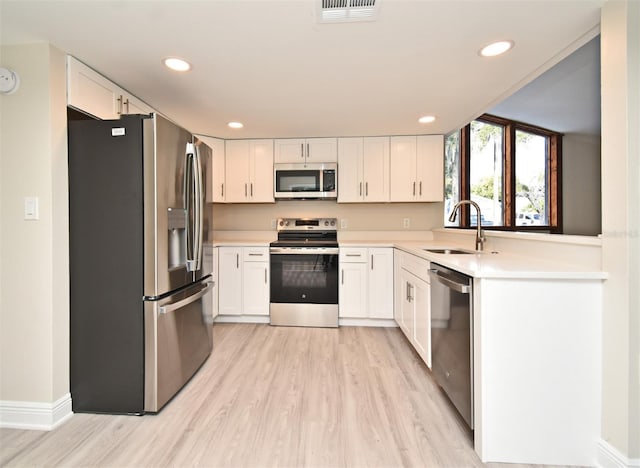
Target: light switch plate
[31,208]
[406,223]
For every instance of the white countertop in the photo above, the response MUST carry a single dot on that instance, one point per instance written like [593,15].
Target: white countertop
[488,264]
[479,265]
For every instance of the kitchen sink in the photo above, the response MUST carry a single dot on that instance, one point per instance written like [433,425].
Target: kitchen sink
[449,251]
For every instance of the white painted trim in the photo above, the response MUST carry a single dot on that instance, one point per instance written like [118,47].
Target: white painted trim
[242,319]
[366,322]
[610,457]
[34,414]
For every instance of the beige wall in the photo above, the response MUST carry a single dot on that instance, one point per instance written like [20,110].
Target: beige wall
[621,224]
[581,190]
[359,217]
[34,304]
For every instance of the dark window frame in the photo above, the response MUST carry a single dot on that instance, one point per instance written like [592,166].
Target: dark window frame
[553,175]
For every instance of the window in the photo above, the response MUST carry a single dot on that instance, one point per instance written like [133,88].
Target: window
[510,169]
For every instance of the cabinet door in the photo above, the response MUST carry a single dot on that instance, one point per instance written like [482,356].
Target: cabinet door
[430,167]
[380,285]
[290,150]
[237,170]
[353,290]
[422,319]
[215,178]
[230,281]
[350,186]
[216,284]
[255,288]
[406,303]
[132,105]
[375,169]
[321,150]
[261,171]
[90,92]
[403,168]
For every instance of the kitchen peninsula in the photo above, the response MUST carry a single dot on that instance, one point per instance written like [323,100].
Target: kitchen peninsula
[536,335]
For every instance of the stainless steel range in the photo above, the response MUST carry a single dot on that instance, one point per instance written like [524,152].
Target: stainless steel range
[304,273]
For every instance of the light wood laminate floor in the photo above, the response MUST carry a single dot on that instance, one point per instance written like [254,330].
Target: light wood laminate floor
[275,396]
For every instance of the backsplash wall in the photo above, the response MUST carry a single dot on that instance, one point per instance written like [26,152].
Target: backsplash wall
[358,216]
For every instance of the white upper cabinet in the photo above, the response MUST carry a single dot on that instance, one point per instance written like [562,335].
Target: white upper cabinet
[417,172]
[249,171]
[306,150]
[363,169]
[92,93]
[215,178]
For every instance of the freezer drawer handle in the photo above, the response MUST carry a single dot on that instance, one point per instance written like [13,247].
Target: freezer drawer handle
[177,305]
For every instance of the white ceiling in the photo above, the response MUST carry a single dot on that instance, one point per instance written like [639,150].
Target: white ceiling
[269,64]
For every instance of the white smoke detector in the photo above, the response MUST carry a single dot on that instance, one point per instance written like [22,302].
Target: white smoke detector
[9,81]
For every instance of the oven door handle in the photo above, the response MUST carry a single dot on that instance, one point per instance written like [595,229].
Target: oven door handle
[304,250]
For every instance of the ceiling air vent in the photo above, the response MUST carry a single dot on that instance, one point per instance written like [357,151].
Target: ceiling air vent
[340,11]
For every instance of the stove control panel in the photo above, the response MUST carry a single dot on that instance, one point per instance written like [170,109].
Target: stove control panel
[307,224]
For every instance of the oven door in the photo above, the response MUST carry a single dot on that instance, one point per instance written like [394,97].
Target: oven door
[304,275]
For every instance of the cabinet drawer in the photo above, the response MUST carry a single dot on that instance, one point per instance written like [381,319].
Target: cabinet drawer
[255,254]
[415,265]
[353,254]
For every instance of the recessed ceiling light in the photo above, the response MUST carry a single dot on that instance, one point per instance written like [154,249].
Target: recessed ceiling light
[496,48]
[235,125]
[427,119]
[177,64]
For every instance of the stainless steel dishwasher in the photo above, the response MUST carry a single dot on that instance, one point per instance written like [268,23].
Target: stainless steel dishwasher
[452,336]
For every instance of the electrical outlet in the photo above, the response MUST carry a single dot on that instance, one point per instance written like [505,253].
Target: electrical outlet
[343,224]
[406,223]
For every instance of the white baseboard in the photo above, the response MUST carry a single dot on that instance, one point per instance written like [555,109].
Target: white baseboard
[366,322]
[241,319]
[35,415]
[610,457]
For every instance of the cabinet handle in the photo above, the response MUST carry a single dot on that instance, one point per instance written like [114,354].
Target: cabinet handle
[237,260]
[127,104]
[360,188]
[366,189]
[353,255]
[414,189]
[308,155]
[302,150]
[119,110]
[265,276]
[251,189]
[372,261]
[255,254]
[342,280]
[245,190]
[420,188]
[222,190]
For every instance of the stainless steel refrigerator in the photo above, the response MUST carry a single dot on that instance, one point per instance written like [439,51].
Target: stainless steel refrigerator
[137,222]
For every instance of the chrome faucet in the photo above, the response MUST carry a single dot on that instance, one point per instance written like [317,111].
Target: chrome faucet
[479,235]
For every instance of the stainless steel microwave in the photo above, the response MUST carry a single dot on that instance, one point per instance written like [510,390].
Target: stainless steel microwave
[319,180]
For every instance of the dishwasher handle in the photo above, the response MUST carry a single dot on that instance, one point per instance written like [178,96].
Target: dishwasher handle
[464,288]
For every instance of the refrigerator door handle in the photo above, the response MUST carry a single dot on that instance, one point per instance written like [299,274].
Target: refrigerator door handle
[189,201]
[193,203]
[199,209]
[186,301]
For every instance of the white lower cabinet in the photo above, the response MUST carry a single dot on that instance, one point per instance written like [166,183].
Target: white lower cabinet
[210,259]
[366,283]
[255,281]
[230,281]
[243,281]
[413,294]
